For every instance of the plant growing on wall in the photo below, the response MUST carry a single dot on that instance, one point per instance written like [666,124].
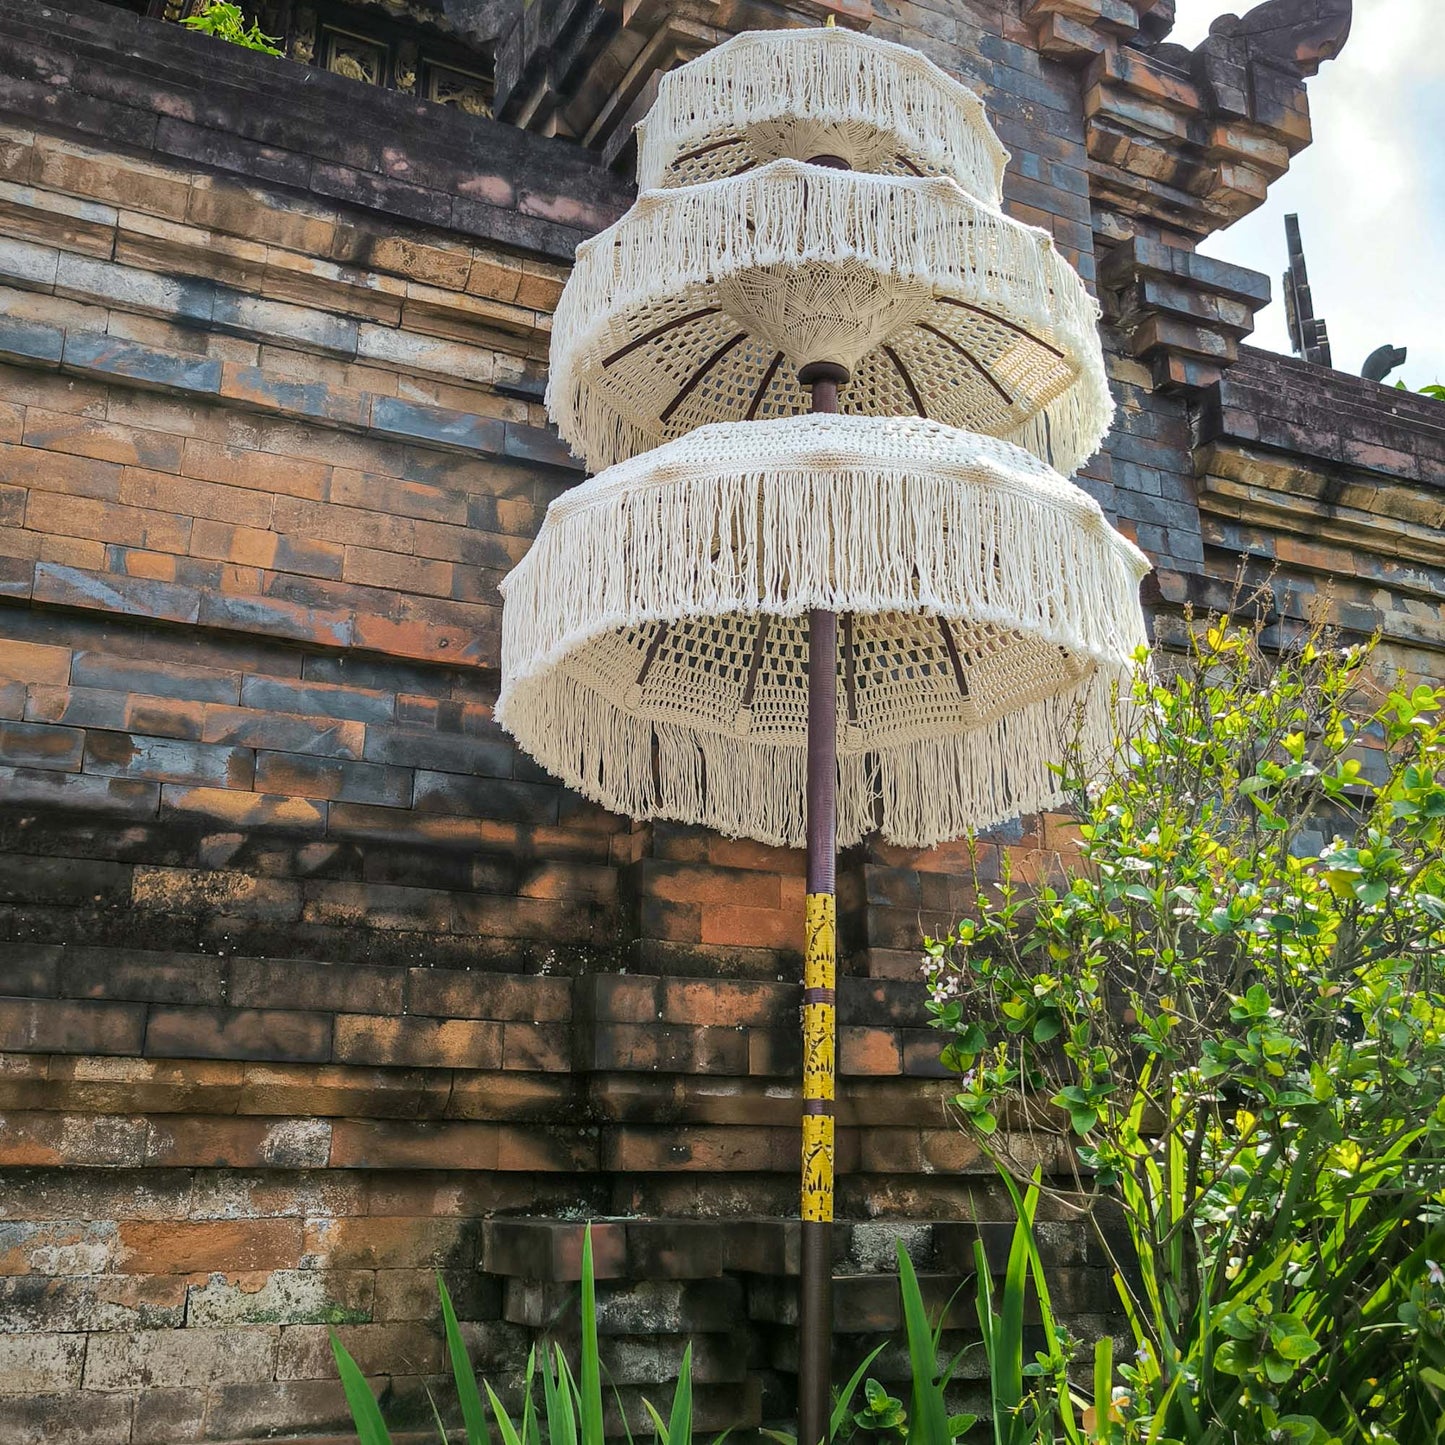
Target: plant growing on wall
[1231,1019]
[226,22]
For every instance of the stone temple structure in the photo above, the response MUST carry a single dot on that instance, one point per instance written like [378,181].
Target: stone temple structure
[310,984]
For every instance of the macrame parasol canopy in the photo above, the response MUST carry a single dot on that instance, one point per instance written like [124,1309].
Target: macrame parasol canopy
[771,95]
[701,303]
[656,636]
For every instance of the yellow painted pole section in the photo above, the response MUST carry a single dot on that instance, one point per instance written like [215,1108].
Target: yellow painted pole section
[819,1055]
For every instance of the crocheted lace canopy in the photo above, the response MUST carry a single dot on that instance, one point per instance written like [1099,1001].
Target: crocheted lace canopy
[700,303]
[655,638]
[769,95]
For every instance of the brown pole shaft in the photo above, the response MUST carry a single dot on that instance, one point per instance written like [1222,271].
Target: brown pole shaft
[815,1333]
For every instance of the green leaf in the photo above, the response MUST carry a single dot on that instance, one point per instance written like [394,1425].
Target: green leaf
[845,1396]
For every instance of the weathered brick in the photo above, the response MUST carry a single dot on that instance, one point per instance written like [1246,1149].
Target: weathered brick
[95,707]
[40,1364]
[254,547]
[379,1349]
[342,1089]
[430,1043]
[169,1416]
[34,662]
[187,497]
[411,1294]
[174,1247]
[230,893]
[312,777]
[84,436]
[349,526]
[282,732]
[79,1417]
[69,1026]
[204,1141]
[292,983]
[46,1302]
[75,1141]
[282,1297]
[220,1033]
[128,973]
[78,582]
[382,1242]
[666,1048]
[170,1358]
[30,970]
[39,745]
[318,699]
[171,678]
[101,797]
[168,760]
[243,811]
[458,993]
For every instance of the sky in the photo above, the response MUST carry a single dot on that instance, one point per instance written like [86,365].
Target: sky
[1369,192]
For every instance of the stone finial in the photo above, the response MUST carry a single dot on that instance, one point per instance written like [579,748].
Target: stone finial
[1308,332]
[1301,33]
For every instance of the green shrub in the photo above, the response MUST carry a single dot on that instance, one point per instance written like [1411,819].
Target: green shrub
[1231,1019]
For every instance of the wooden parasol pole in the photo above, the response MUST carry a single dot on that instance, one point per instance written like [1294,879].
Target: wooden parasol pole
[815,1335]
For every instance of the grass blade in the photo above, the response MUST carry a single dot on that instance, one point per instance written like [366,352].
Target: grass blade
[365,1412]
[505,1428]
[473,1416]
[928,1419]
[679,1427]
[590,1394]
[659,1425]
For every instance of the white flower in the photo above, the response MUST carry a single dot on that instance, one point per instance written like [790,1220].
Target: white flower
[1437,1275]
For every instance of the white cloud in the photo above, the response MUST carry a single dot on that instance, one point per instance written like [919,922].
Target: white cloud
[1370,191]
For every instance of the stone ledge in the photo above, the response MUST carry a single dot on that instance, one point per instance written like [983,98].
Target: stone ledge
[188,97]
[87,354]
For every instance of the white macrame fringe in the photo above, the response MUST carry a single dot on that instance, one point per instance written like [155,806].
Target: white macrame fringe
[852,514]
[917,794]
[829,77]
[788,215]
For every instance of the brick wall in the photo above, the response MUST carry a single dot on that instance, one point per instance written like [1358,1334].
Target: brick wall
[310,983]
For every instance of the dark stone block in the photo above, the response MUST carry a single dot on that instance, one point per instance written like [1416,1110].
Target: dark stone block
[492,798]
[30,341]
[30,970]
[489,757]
[94,351]
[417,421]
[396,198]
[222,151]
[233,1033]
[170,760]
[540,444]
[28,790]
[65,1026]
[142,975]
[105,592]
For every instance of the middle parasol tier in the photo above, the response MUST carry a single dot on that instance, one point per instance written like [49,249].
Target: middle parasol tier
[655,638]
[702,302]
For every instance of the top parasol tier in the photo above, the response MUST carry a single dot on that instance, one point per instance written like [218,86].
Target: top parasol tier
[795,94]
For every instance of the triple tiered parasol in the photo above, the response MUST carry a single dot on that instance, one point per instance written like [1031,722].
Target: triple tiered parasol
[828,580]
